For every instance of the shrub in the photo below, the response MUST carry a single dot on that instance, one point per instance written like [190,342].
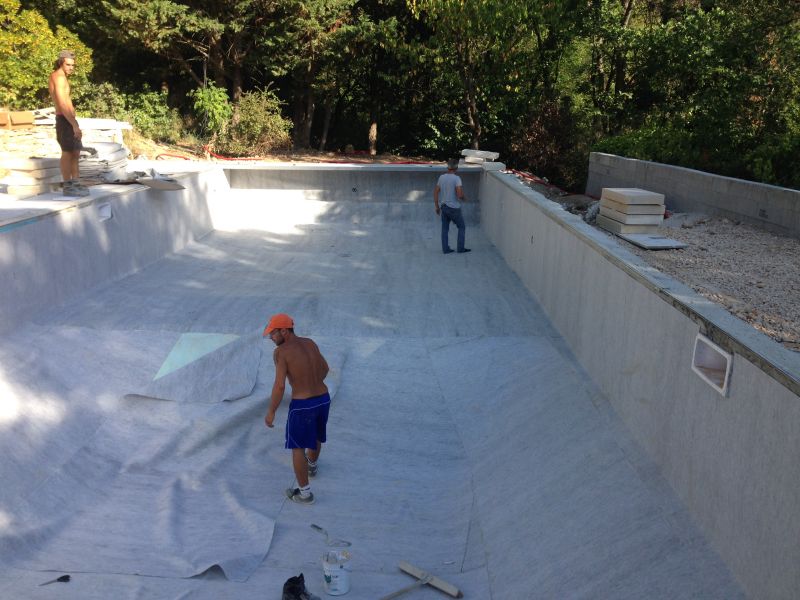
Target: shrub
[147,111]
[256,127]
[658,142]
[212,106]
[102,101]
[150,114]
[552,145]
[775,161]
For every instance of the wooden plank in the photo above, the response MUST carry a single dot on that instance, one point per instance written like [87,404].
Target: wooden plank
[21,117]
[439,584]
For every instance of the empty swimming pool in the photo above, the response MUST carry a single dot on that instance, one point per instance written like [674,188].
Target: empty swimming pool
[464,437]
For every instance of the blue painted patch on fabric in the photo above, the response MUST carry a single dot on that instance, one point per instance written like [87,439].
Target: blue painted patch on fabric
[190,347]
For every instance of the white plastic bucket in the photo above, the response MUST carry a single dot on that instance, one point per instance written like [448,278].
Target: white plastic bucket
[336,570]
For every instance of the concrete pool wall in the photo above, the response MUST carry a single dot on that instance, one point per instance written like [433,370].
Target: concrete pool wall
[72,245]
[732,459]
[355,193]
[687,190]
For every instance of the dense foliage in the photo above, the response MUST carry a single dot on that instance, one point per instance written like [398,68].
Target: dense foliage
[708,84]
[28,49]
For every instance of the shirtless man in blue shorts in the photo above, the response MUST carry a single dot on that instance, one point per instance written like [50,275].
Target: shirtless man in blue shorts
[300,360]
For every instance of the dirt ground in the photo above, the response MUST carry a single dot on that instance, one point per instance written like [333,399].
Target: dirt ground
[752,273]
[143,148]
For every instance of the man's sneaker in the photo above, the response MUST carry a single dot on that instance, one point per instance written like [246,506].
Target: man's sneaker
[71,188]
[294,496]
[312,468]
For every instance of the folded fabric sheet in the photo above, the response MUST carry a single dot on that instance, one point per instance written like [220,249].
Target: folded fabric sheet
[178,506]
[160,488]
[204,368]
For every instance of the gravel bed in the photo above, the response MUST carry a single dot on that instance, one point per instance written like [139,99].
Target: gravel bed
[752,273]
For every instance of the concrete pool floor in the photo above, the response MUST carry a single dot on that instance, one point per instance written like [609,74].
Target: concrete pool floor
[463,436]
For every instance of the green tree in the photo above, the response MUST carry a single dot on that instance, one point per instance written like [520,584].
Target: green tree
[28,49]
[481,42]
[715,89]
[367,67]
[296,42]
[204,38]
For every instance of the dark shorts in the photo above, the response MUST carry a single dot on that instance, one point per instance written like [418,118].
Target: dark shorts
[66,135]
[307,420]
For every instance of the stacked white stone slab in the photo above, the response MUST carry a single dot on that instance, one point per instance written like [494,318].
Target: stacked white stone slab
[484,158]
[26,177]
[94,130]
[29,176]
[630,210]
[109,164]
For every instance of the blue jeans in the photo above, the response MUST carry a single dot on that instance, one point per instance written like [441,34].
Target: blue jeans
[454,215]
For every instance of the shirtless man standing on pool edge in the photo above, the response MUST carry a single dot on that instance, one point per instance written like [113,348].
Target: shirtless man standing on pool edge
[300,360]
[68,133]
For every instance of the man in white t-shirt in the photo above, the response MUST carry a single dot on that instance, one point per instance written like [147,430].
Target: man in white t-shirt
[451,190]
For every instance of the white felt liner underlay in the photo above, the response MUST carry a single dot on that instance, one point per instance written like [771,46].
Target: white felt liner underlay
[463,436]
[160,489]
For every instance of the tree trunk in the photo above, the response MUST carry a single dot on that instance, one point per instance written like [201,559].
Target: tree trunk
[237,58]
[470,99]
[216,61]
[237,83]
[297,136]
[326,124]
[372,136]
[309,118]
[303,116]
[473,118]
[620,62]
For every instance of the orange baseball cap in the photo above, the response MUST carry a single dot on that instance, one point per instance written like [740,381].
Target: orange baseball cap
[279,321]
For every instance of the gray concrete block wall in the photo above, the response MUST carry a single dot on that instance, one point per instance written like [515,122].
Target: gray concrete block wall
[732,460]
[686,190]
[365,191]
[60,255]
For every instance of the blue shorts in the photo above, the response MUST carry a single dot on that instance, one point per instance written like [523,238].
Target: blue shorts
[305,425]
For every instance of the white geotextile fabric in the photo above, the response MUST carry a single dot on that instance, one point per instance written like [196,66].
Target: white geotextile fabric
[460,440]
[162,488]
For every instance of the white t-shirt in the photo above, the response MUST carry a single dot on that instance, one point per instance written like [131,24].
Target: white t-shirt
[448,182]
